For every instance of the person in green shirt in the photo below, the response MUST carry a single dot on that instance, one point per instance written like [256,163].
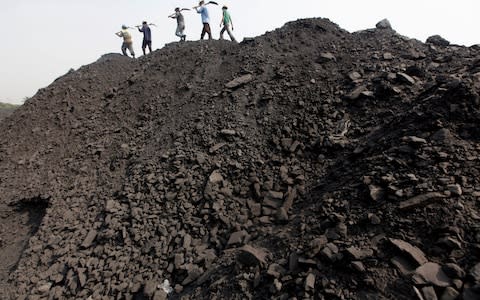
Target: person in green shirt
[227,24]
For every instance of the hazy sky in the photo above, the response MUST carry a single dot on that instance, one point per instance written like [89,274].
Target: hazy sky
[43,39]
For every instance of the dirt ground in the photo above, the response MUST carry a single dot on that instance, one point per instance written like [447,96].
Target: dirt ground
[308,163]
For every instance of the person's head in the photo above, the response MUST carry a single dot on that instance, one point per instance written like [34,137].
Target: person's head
[177,9]
[144,23]
[224,7]
[124,26]
[201,3]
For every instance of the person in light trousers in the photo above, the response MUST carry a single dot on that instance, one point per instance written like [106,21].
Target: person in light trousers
[180,24]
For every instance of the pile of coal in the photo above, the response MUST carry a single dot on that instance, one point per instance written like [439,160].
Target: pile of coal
[308,163]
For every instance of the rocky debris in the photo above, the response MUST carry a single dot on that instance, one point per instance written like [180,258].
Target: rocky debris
[239,81]
[414,140]
[404,265]
[326,57]
[354,76]
[384,24]
[428,293]
[330,252]
[342,166]
[471,293]
[406,78]
[431,273]
[437,41]
[421,200]
[317,244]
[149,288]
[413,252]
[250,256]
[357,92]
[92,234]
[237,238]
[455,189]
[475,273]
[310,282]
[443,136]
[389,56]
[450,294]
[359,254]
[454,271]
[358,266]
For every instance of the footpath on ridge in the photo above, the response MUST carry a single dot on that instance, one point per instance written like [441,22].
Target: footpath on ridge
[308,163]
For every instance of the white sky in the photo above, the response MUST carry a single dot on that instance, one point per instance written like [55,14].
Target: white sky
[43,39]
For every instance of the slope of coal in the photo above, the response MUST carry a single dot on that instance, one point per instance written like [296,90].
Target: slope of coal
[309,162]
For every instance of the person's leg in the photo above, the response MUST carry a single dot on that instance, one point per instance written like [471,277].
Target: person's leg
[144,46]
[124,49]
[204,30]
[178,32]
[230,33]
[150,46]
[209,31]
[130,47]
[222,32]
[184,36]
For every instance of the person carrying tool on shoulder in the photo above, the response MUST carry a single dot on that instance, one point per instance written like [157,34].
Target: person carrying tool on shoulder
[202,9]
[127,41]
[147,37]
[227,24]
[180,23]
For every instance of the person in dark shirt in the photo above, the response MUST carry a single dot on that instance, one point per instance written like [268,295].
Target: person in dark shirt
[147,37]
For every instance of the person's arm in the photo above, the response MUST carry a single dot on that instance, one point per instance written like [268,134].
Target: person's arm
[172,16]
[140,29]
[221,22]
[119,34]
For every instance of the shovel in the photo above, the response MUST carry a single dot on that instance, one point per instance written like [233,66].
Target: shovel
[209,2]
[173,15]
[151,24]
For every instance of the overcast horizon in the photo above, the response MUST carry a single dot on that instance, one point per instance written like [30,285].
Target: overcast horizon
[45,39]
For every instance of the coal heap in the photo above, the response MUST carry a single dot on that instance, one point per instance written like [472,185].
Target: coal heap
[308,163]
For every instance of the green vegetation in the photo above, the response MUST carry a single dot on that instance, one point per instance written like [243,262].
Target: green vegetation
[7,106]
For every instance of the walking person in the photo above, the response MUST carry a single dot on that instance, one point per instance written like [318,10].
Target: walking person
[127,41]
[202,9]
[147,37]
[180,23]
[227,24]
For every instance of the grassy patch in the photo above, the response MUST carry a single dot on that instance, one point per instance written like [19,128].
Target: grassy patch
[8,106]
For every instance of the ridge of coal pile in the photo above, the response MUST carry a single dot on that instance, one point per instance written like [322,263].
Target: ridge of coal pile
[306,163]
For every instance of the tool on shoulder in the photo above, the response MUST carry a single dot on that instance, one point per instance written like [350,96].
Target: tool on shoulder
[209,2]
[173,15]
